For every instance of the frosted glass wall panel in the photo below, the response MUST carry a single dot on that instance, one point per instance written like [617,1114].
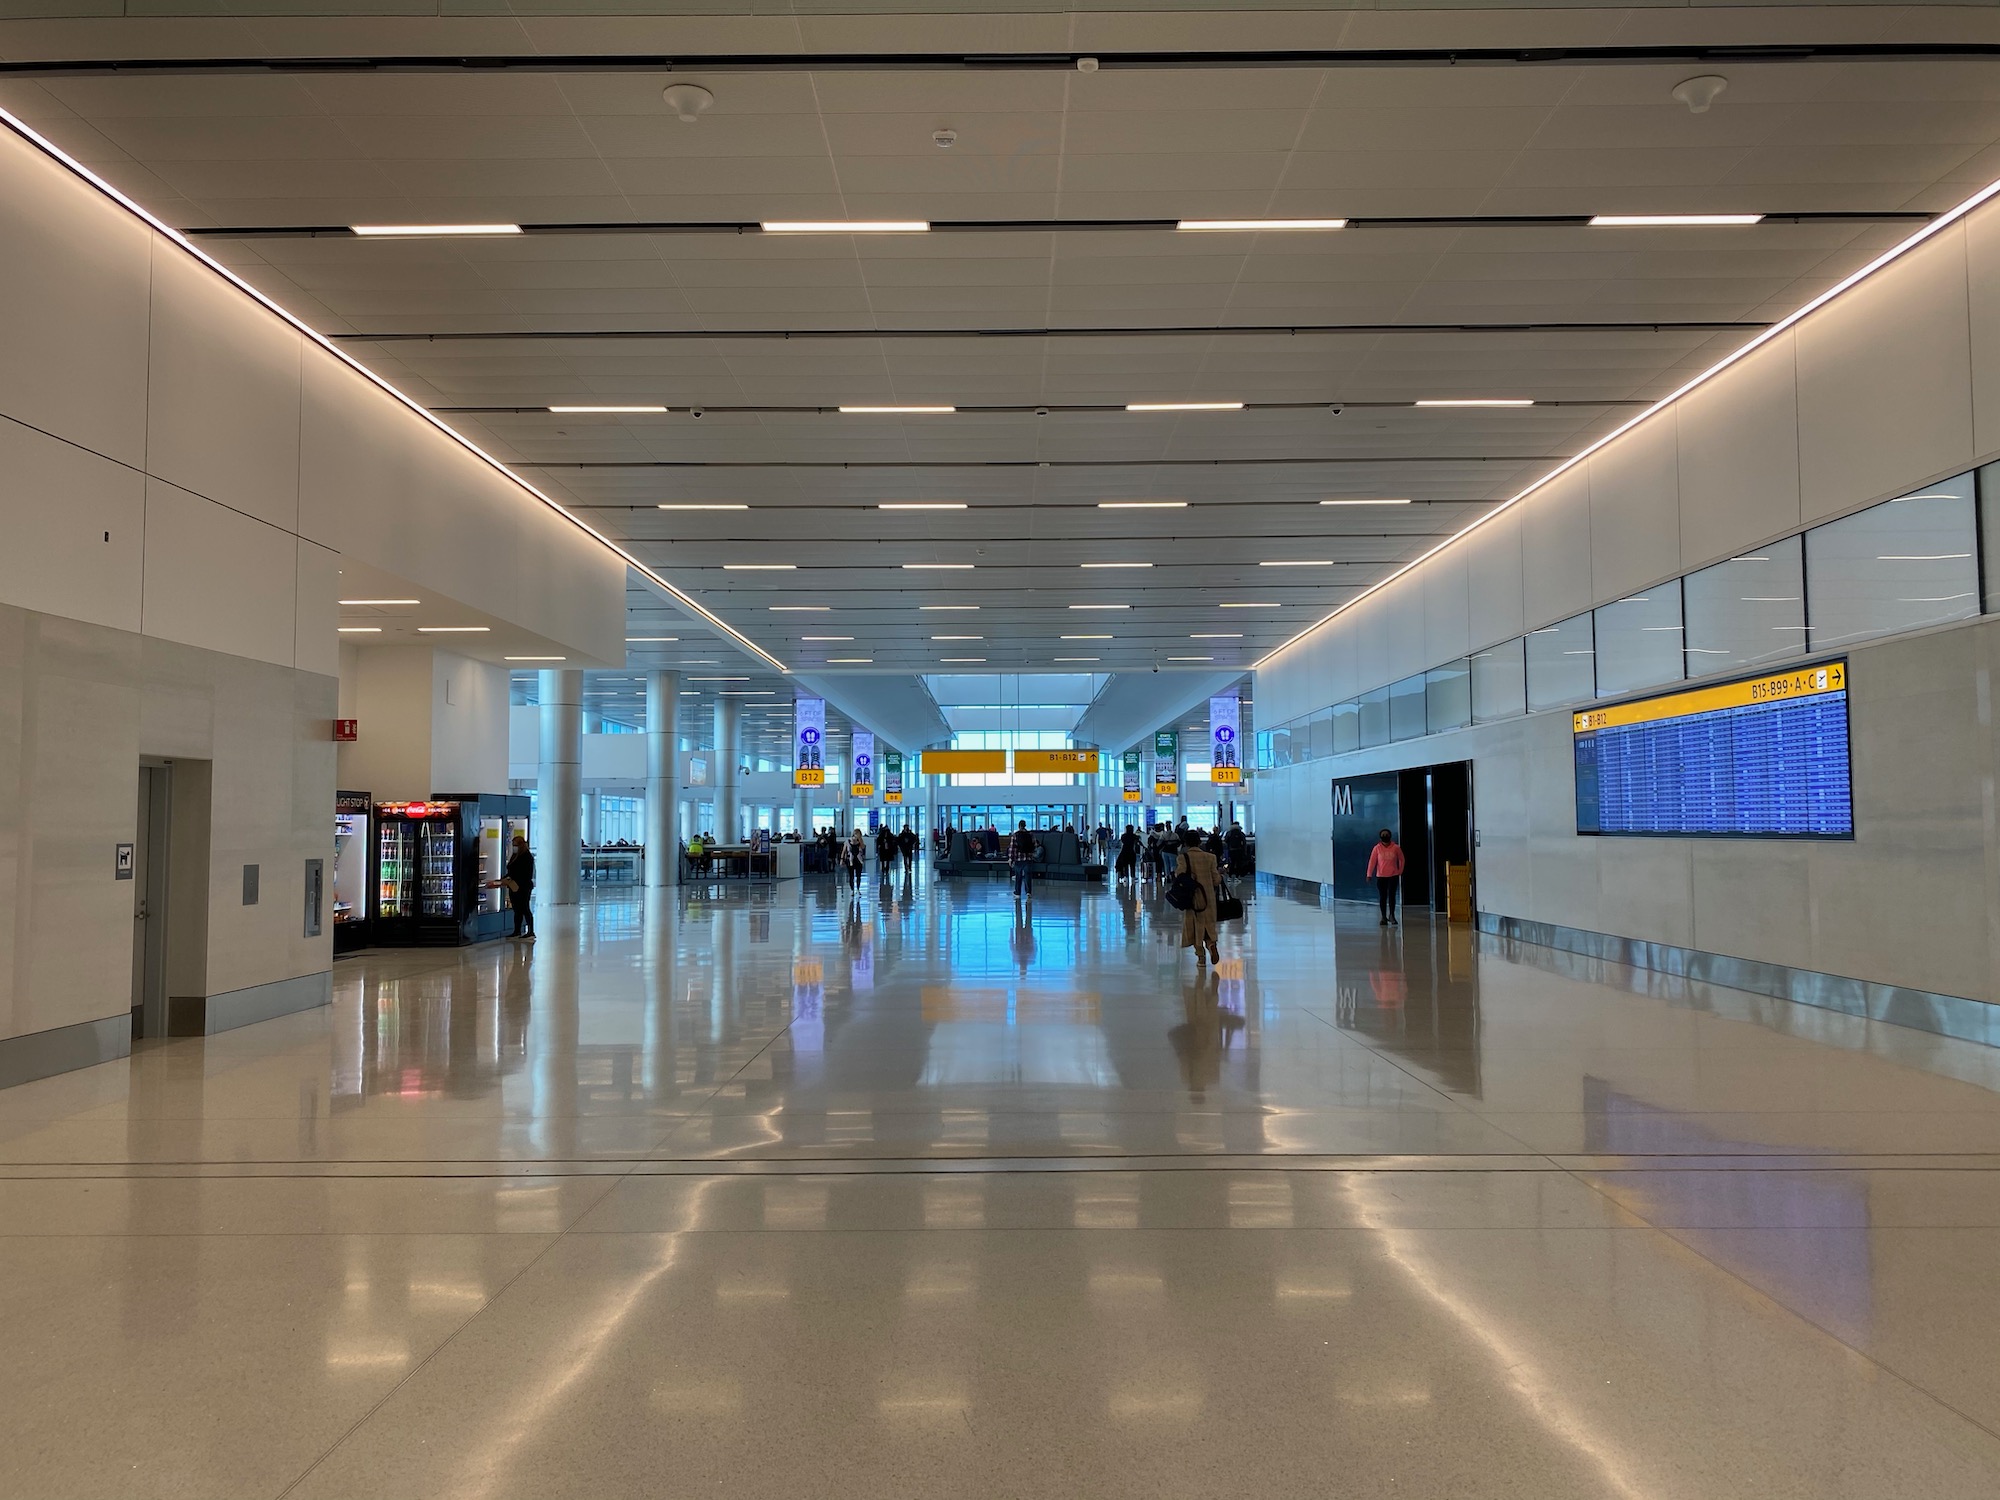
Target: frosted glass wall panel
[1346,727]
[1322,734]
[1897,566]
[1406,708]
[1374,718]
[1559,663]
[1448,696]
[1499,681]
[1748,610]
[1639,641]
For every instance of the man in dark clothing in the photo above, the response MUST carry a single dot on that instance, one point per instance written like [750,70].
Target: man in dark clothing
[906,844]
[521,875]
[1021,859]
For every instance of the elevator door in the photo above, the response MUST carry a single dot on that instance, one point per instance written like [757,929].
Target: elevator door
[149,904]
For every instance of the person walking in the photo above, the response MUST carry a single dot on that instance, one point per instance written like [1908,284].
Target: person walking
[1128,853]
[1198,921]
[853,857]
[519,884]
[906,845]
[1021,859]
[1385,868]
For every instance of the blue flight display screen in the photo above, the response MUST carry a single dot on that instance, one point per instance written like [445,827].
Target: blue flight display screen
[1764,757]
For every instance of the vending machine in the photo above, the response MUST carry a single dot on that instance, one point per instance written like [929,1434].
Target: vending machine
[434,863]
[353,886]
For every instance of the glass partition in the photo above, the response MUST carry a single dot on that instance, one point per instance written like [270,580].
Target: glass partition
[1639,641]
[1560,660]
[1750,609]
[1346,726]
[1499,681]
[1322,734]
[1406,708]
[1374,718]
[1897,566]
[1448,696]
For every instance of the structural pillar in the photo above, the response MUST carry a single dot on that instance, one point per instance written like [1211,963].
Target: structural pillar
[802,813]
[728,756]
[663,778]
[559,789]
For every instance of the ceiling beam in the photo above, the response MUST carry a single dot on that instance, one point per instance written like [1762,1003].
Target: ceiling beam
[1149,331]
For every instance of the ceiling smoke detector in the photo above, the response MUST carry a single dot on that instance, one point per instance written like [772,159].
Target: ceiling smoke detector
[944,140]
[687,100]
[1698,93]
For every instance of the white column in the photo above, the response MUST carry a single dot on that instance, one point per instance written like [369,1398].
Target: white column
[558,785]
[802,812]
[728,756]
[663,781]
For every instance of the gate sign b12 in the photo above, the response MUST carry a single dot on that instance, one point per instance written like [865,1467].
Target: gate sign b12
[1761,757]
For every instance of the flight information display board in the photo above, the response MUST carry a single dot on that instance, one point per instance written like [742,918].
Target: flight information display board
[1764,757]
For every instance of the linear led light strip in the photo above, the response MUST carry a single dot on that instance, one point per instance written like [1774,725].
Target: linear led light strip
[1789,321]
[55,153]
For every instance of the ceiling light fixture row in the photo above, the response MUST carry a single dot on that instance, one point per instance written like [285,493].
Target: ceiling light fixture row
[1138,408]
[1049,226]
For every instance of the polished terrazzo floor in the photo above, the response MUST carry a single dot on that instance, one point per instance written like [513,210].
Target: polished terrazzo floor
[766,1193]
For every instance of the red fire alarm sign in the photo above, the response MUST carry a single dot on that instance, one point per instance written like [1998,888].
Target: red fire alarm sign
[346,729]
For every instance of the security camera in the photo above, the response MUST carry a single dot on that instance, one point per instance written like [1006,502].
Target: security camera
[1156,666]
[697,413]
[1041,411]
[1335,408]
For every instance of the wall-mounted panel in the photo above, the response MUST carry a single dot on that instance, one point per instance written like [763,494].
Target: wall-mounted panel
[1555,549]
[1982,259]
[74,525]
[73,305]
[217,579]
[1447,607]
[222,418]
[1885,382]
[316,613]
[1635,521]
[1493,579]
[1739,457]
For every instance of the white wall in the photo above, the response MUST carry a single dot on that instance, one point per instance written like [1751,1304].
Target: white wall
[1890,387]
[181,472]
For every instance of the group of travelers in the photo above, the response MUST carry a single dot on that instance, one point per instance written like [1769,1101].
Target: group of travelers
[1151,855]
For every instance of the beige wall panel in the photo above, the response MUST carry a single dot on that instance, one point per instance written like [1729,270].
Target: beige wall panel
[1885,382]
[215,578]
[316,616]
[1447,607]
[1493,580]
[1739,457]
[1555,550]
[223,405]
[58,502]
[1635,521]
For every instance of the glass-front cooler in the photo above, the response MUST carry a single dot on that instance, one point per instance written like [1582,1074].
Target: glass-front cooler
[422,890]
[353,887]
[488,822]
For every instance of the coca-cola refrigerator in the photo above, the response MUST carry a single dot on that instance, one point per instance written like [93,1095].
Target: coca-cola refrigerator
[434,862]
[353,862]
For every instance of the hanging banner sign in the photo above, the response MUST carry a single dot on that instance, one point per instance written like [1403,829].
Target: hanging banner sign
[809,742]
[892,777]
[1167,763]
[1134,791]
[862,784]
[1225,749]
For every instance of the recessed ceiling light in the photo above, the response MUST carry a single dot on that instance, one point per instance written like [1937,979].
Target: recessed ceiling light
[799,609]
[743,692]
[845,226]
[1184,406]
[826,637]
[1364,502]
[537,658]
[849,661]
[920,505]
[690,692]
[718,679]
[407,231]
[1100,606]
[1191,658]
[453,629]
[1260,224]
[760,567]
[1477,401]
[937,567]
[703,506]
[1087,638]
[1218,635]
[1298,562]
[897,411]
[958,637]
[1142,505]
[359,629]
[607,411]
[1115,565]
[381,601]
[961,658]
[1076,658]
[1647,221]
[942,607]
[1253,606]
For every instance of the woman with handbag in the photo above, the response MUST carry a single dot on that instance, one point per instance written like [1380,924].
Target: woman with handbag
[1198,919]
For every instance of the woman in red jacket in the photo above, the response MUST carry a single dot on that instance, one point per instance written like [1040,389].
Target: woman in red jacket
[1385,868]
